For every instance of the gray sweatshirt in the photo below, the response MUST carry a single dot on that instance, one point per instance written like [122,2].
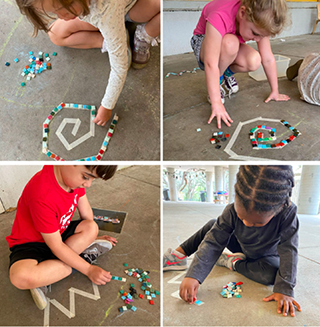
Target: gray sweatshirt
[278,237]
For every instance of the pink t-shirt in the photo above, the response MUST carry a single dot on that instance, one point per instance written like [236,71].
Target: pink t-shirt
[221,14]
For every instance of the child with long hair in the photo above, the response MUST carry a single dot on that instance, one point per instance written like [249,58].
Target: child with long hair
[260,229]
[87,24]
[219,45]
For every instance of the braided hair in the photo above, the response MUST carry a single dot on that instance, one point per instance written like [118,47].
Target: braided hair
[264,188]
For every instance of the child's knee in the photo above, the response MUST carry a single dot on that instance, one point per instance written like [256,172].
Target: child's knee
[268,279]
[16,281]
[230,45]
[253,61]
[20,278]
[58,31]
[155,6]
[158,5]
[55,38]
[91,228]
[269,274]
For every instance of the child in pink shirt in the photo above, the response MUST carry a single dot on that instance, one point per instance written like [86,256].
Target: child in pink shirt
[219,45]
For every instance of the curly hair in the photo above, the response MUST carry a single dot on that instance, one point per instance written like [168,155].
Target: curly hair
[264,188]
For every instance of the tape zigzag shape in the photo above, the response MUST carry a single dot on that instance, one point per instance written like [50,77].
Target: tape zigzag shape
[71,312]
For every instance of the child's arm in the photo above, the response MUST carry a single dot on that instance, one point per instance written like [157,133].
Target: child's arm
[210,52]
[270,68]
[288,252]
[113,30]
[84,208]
[62,251]
[208,253]
[85,212]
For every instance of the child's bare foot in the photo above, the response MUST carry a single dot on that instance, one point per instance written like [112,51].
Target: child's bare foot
[103,116]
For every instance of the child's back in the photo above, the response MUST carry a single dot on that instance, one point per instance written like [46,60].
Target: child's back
[222,15]
[44,207]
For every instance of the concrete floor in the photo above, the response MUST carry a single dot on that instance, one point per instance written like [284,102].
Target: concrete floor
[134,190]
[181,220]
[186,109]
[77,76]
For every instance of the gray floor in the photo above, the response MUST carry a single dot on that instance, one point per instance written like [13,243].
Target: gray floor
[77,76]
[181,220]
[186,109]
[134,190]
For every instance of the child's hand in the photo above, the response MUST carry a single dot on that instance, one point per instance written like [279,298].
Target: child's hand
[284,301]
[103,116]
[219,111]
[98,276]
[277,97]
[188,289]
[112,240]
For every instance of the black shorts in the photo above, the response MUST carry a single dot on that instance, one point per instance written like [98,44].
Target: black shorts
[39,251]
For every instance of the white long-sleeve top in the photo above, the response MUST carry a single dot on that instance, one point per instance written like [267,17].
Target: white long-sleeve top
[108,17]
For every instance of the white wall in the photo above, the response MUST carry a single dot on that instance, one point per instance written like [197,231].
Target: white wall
[12,181]
[180,19]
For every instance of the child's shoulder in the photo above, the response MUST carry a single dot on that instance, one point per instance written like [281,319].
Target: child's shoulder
[221,14]
[222,5]
[229,211]
[288,214]
[40,185]
[290,210]
[230,207]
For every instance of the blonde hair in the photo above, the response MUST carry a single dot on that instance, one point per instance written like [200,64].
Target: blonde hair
[270,15]
[40,19]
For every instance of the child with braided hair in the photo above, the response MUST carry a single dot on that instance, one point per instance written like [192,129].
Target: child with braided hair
[260,229]
[218,43]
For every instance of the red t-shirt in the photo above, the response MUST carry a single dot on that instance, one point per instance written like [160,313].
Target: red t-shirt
[44,207]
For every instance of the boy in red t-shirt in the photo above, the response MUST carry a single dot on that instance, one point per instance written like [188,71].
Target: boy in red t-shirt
[45,244]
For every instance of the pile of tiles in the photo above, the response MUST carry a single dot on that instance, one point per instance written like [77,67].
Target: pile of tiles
[232,289]
[131,295]
[218,137]
[36,65]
